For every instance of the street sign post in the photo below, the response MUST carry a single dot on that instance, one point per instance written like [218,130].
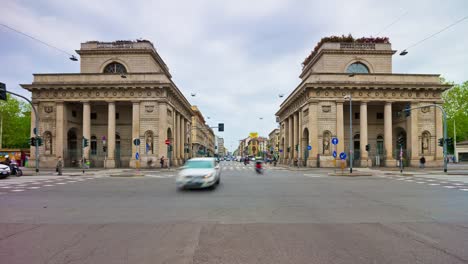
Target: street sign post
[309,147]
[342,155]
[167,141]
[334,141]
[136,142]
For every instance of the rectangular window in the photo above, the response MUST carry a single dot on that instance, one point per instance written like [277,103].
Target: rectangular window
[116,115]
[94,147]
[93,115]
[73,113]
[357,115]
[380,116]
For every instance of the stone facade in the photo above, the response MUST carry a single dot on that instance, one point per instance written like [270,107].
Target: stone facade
[123,92]
[319,109]
[273,141]
[202,135]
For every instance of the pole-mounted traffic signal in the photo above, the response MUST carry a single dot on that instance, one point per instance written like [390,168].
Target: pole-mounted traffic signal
[449,141]
[3,95]
[104,148]
[407,110]
[441,142]
[400,141]
[85,142]
[39,141]
[32,141]
[367,147]
[221,127]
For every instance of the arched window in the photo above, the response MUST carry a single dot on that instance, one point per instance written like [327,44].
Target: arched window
[357,67]
[425,142]
[380,145]
[93,145]
[48,143]
[149,142]
[115,67]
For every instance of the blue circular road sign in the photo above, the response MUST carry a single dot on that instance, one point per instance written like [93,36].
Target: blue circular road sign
[309,147]
[342,155]
[334,153]
[281,150]
[334,141]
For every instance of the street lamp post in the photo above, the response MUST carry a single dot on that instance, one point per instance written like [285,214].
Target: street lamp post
[350,132]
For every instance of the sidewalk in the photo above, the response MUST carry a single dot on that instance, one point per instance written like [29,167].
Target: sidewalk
[88,172]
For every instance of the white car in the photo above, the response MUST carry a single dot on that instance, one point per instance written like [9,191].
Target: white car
[4,171]
[199,173]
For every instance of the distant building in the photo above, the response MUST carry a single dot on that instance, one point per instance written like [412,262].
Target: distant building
[319,108]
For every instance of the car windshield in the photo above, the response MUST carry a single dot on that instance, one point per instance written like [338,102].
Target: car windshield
[199,164]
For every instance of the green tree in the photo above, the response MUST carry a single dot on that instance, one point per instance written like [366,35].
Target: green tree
[16,118]
[456,107]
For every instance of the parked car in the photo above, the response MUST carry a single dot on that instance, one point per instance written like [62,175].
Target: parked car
[4,171]
[199,173]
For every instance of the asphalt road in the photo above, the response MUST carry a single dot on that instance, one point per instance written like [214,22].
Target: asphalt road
[280,217]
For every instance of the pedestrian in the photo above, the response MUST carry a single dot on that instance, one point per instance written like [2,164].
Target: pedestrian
[161,161]
[422,161]
[59,166]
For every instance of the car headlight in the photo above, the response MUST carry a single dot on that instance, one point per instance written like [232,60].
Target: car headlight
[208,176]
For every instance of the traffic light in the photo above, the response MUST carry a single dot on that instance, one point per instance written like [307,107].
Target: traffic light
[85,142]
[104,148]
[169,147]
[297,147]
[367,147]
[289,149]
[441,142]
[449,141]
[407,110]
[39,141]
[32,141]
[221,127]
[3,95]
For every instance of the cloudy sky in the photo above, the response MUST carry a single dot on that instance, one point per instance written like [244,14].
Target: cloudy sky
[237,56]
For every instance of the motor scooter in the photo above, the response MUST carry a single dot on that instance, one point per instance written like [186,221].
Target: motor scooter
[258,168]
[15,170]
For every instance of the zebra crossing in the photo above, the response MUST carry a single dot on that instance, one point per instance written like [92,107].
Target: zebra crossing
[459,184]
[29,183]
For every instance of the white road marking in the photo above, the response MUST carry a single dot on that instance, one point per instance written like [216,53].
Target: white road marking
[6,187]
[465,190]
[420,182]
[17,190]
[48,185]
[450,187]
[61,183]
[433,184]
[458,184]
[34,187]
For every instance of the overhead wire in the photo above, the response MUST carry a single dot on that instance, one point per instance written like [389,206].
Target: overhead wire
[438,32]
[392,23]
[36,39]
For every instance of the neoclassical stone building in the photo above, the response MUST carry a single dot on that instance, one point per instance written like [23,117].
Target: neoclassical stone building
[124,91]
[319,109]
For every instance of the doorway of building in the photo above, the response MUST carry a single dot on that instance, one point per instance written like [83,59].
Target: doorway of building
[305,144]
[357,150]
[118,163]
[73,154]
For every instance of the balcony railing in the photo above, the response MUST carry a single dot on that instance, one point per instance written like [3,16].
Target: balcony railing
[352,45]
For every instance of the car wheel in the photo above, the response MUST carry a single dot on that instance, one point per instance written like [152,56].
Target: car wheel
[218,181]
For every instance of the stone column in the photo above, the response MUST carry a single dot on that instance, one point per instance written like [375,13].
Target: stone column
[135,131]
[363,133]
[290,139]
[286,141]
[439,126]
[110,160]
[162,132]
[86,128]
[388,137]
[299,136]
[295,134]
[59,129]
[313,134]
[414,148]
[182,138]
[339,128]
[177,139]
